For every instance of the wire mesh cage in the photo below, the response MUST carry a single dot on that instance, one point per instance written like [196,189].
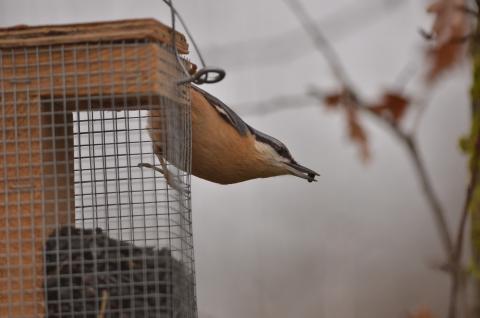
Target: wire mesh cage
[86,228]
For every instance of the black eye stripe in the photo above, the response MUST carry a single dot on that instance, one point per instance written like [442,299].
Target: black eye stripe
[285,153]
[279,147]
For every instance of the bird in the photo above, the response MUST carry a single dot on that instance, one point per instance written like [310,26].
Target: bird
[225,149]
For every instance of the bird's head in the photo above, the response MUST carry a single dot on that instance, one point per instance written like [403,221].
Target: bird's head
[277,157]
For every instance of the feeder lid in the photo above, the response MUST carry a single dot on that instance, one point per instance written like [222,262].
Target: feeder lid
[112,31]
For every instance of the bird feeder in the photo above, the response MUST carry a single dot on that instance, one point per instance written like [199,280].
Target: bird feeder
[85,231]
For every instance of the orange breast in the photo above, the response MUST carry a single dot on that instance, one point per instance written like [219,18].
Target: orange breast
[219,153]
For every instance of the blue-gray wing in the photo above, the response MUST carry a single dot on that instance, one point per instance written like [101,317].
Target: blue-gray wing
[225,112]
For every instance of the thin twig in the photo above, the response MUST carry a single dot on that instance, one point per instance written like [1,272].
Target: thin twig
[405,76]
[320,40]
[275,104]
[458,274]
[432,199]
[422,104]
[457,254]
[347,20]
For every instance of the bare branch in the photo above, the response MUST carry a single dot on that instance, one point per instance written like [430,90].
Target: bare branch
[301,101]
[405,75]
[458,252]
[347,20]
[435,205]
[321,42]
[326,49]
[410,143]
[276,104]
[350,98]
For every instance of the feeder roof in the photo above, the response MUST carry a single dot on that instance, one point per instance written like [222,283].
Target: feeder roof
[112,31]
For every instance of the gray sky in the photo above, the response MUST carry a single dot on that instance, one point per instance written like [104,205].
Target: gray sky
[358,242]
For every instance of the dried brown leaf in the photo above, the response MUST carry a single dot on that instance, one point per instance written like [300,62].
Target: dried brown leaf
[450,26]
[333,100]
[443,57]
[344,100]
[391,106]
[422,312]
[357,133]
[448,17]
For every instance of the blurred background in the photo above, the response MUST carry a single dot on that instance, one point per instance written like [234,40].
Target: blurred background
[361,241]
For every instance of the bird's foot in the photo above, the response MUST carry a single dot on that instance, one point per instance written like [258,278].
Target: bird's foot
[150,166]
[171,179]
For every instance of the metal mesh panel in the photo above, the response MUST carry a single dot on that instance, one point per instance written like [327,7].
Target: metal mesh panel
[84,230]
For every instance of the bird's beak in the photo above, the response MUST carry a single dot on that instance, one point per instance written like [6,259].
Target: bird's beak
[301,171]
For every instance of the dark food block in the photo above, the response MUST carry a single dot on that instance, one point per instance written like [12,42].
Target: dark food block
[90,275]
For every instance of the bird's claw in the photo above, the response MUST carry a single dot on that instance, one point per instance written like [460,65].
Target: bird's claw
[169,177]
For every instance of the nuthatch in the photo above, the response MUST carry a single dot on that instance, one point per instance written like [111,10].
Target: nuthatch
[226,150]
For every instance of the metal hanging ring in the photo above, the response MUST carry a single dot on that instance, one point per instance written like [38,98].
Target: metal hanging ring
[206,75]
[209,75]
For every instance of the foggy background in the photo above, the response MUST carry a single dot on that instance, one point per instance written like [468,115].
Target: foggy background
[359,242]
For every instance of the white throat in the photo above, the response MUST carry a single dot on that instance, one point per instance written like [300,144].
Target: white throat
[269,154]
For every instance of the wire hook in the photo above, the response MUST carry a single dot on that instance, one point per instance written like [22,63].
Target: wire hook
[205,75]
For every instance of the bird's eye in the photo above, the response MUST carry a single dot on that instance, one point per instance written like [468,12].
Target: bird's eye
[283,152]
